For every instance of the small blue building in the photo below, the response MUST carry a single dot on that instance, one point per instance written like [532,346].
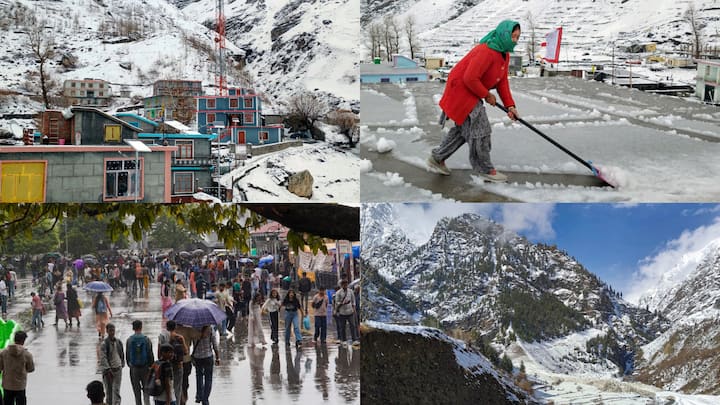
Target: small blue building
[401,70]
[191,166]
[138,121]
[236,118]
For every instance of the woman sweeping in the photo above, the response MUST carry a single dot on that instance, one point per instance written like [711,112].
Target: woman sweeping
[484,68]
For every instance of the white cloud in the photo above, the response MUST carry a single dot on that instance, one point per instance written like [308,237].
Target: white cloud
[701,211]
[530,220]
[673,264]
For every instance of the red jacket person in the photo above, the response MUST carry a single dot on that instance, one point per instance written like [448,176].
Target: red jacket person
[484,68]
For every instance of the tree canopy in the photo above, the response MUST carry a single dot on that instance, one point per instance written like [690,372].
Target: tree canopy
[232,223]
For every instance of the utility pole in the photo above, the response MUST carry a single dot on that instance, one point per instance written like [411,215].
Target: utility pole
[612,81]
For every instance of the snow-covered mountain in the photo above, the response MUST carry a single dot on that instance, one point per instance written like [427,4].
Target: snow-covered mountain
[288,46]
[474,275]
[685,357]
[590,27]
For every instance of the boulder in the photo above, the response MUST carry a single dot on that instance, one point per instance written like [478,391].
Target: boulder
[301,184]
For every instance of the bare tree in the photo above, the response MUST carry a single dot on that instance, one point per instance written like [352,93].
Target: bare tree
[42,46]
[347,122]
[391,36]
[376,33]
[691,17]
[411,34]
[304,110]
[532,42]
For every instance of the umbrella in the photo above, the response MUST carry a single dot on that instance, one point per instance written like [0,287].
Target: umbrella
[162,256]
[98,286]
[91,261]
[244,260]
[88,256]
[184,254]
[198,252]
[134,257]
[196,313]
[265,260]
[79,264]
[53,254]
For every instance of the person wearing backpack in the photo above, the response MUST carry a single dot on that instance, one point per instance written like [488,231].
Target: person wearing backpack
[139,357]
[180,350]
[103,313]
[162,374]
[111,364]
[320,304]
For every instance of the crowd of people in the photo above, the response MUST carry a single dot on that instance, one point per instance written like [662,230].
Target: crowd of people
[247,294]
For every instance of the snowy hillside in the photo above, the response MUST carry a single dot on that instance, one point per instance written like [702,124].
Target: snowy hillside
[511,288]
[293,45]
[685,356]
[135,42]
[400,363]
[449,27]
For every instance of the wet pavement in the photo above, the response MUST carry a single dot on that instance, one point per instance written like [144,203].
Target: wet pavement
[66,360]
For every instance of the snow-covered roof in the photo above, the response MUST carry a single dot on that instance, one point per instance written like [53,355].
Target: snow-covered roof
[177,125]
[385,69]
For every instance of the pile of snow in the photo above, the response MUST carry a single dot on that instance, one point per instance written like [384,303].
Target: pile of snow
[384,146]
[336,175]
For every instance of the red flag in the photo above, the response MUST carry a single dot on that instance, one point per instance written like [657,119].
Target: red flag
[553,39]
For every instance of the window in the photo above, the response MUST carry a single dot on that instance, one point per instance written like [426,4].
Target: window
[248,103]
[211,103]
[82,85]
[248,118]
[90,85]
[112,133]
[120,179]
[411,79]
[385,80]
[183,183]
[101,85]
[72,84]
[22,181]
[185,149]
[210,119]
[234,103]
[72,92]
[264,136]
[101,94]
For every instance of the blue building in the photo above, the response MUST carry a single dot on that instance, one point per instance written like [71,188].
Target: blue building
[401,70]
[236,118]
[192,164]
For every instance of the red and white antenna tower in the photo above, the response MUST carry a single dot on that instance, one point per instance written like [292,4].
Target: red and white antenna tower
[220,79]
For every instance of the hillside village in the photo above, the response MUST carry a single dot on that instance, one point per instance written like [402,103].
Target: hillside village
[163,133]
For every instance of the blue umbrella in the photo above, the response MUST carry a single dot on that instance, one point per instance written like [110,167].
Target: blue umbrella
[196,313]
[98,286]
[265,259]
[244,260]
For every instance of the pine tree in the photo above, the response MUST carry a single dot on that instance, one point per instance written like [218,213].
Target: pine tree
[506,363]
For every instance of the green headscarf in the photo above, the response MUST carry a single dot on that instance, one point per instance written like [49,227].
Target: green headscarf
[500,39]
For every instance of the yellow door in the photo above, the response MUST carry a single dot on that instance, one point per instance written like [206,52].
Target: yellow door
[22,182]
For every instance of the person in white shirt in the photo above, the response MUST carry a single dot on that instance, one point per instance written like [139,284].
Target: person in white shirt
[3,296]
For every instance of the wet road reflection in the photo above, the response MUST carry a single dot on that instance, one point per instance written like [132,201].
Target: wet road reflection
[66,360]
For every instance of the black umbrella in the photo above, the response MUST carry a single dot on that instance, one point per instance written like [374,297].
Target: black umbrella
[198,252]
[184,254]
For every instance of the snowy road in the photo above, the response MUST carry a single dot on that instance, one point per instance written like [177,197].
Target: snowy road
[655,148]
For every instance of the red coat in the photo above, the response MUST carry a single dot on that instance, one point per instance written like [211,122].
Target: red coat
[472,78]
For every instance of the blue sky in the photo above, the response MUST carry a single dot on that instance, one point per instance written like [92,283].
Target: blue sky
[629,246]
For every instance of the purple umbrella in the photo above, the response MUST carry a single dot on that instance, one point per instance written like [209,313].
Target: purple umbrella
[79,264]
[196,313]
[97,286]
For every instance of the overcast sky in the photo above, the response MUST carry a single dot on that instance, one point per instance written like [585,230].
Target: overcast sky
[628,246]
